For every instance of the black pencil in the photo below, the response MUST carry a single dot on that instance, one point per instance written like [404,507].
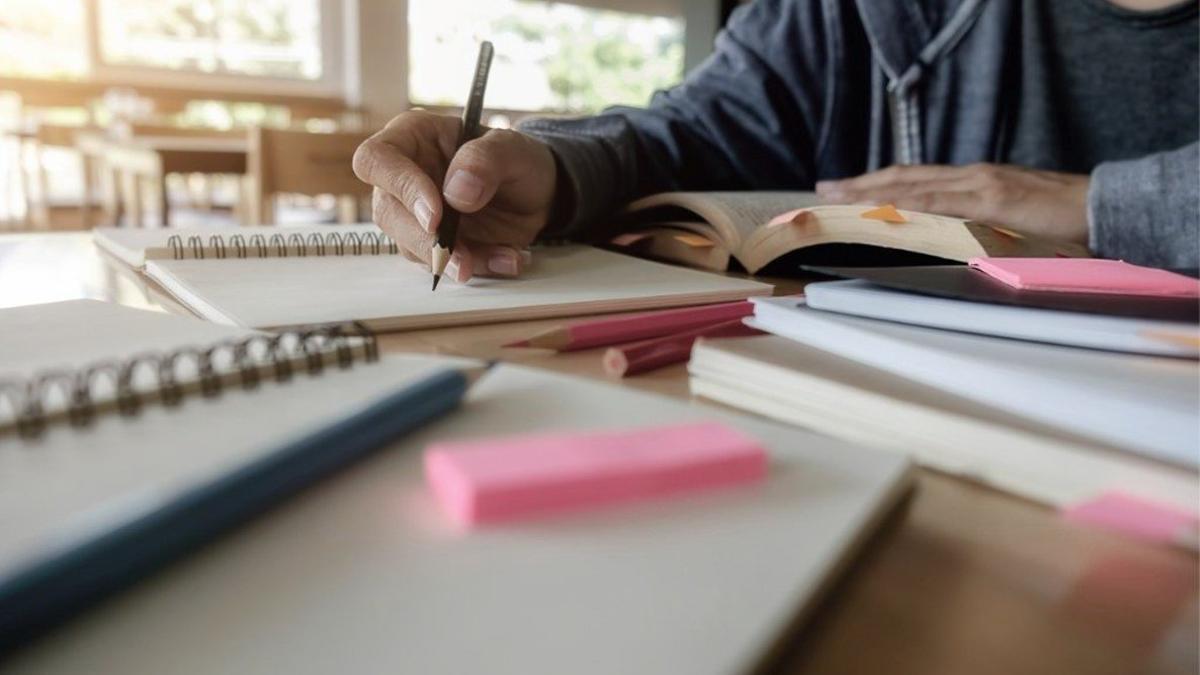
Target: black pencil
[448,228]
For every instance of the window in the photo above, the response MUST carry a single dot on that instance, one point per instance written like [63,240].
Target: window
[282,46]
[40,39]
[264,38]
[550,56]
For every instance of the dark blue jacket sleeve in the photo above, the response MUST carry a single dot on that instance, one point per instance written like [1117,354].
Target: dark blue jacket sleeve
[752,116]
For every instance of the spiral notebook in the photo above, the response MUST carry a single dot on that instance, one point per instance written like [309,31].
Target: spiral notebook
[135,246]
[366,573]
[309,276]
[128,437]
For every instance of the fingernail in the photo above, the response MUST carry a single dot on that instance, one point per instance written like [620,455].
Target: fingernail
[464,187]
[423,213]
[503,263]
[456,269]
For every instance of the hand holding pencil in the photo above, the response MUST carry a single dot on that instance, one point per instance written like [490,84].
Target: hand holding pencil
[501,183]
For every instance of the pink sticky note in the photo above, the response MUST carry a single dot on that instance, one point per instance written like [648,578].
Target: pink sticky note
[509,478]
[1136,517]
[1087,275]
[629,238]
[794,217]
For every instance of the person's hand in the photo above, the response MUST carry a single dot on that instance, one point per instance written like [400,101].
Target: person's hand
[1039,202]
[502,183]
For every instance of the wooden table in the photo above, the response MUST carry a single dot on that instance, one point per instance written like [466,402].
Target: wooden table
[143,163]
[966,580]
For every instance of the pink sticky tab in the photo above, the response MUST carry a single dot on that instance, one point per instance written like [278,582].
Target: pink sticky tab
[1135,517]
[1087,275]
[794,217]
[520,476]
[629,238]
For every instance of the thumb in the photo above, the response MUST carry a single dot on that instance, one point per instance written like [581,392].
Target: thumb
[480,167]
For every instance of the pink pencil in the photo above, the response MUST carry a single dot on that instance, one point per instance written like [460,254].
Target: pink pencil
[663,351]
[619,330]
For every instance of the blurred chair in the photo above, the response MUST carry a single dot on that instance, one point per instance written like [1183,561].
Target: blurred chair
[198,189]
[39,198]
[305,163]
[47,119]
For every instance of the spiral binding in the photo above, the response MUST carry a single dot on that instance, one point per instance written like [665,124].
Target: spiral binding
[277,245]
[26,405]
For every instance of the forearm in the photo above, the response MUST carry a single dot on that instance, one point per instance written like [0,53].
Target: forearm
[591,179]
[1147,210]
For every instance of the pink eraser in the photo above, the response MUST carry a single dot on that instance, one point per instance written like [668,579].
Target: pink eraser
[1135,517]
[1087,275]
[518,476]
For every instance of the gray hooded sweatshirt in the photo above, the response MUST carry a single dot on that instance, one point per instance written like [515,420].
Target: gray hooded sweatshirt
[803,90]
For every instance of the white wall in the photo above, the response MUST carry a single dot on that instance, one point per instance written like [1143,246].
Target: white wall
[376,57]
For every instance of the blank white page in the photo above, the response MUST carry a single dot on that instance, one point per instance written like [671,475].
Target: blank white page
[364,574]
[389,293]
[74,333]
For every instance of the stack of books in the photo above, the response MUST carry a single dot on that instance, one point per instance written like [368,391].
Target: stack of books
[1058,394]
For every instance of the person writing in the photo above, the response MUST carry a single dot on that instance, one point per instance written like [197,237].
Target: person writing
[1073,119]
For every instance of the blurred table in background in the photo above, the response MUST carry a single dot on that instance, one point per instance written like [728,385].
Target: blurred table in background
[967,580]
[58,113]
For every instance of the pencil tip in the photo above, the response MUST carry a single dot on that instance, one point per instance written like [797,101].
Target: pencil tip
[436,279]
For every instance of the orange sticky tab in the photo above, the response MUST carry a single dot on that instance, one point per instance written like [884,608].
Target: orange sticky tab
[796,217]
[1006,232]
[887,213]
[1179,339]
[694,240]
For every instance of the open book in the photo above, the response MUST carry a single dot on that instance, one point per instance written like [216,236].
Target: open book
[711,230]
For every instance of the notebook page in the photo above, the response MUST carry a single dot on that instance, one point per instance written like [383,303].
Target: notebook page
[393,294]
[78,332]
[364,566]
